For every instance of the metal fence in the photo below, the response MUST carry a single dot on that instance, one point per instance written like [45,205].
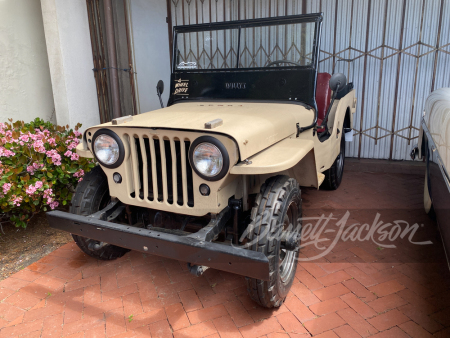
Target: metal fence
[102,66]
[394,51]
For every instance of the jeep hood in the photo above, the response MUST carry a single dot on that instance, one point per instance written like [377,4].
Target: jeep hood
[254,126]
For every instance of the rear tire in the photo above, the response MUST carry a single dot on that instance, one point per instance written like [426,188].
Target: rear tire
[333,176]
[277,205]
[92,195]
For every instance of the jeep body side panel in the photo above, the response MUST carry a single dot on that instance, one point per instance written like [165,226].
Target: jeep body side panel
[327,151]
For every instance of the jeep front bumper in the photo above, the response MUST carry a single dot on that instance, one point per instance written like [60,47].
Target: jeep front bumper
[183,248]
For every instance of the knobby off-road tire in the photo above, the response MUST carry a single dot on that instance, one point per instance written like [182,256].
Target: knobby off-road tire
[92,195]
[333,176]
[277,205]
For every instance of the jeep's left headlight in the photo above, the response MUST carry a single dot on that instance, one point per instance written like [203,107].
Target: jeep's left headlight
[108,148]
[209,158]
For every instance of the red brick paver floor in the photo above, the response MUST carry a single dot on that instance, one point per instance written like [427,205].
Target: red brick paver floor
[357,289]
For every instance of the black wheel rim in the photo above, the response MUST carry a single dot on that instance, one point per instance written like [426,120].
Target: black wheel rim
[341,158]
[287,258]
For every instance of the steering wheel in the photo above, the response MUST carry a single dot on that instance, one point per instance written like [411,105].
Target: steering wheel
[277,62]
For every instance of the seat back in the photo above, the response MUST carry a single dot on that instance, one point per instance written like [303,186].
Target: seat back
[323,94]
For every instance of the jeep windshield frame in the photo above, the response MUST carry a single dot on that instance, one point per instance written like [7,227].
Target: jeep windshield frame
[291,81]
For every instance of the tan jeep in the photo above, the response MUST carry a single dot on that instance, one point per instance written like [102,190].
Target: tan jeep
[214,178]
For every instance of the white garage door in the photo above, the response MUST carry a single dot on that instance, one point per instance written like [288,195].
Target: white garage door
[394,51]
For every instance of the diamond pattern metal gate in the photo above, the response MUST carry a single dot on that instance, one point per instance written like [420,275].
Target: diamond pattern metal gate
[394,51]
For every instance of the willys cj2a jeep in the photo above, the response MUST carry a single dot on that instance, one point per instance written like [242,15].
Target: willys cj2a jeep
[214,178]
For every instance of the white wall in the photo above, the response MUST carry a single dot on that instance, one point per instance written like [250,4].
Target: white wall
[70,58]
[151,51]
[25,87]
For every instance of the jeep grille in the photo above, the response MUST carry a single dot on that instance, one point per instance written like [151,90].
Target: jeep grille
[161,169]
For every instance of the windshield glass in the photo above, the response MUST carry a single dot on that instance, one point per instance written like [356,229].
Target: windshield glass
[280,45]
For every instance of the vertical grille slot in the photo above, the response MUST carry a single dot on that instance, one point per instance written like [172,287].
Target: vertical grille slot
[161,169]
[157,162]
[189,181]
[150,195]
[135,167]
[179,184]
[140,188]
[169,170]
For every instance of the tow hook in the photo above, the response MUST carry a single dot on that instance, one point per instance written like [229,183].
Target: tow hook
[197,270]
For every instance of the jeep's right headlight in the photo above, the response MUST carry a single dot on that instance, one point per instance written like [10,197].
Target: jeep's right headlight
[209,158]
[108,148]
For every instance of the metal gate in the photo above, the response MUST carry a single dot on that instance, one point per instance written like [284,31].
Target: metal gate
[127,95]
[394,51]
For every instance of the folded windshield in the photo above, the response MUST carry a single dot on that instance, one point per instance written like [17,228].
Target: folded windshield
[243,47]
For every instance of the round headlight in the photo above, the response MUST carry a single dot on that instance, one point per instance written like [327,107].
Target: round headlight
[208,159]
[106,149]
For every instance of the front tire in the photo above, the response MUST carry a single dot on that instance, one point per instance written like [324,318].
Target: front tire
[333,176]
[92,195]
[277,206]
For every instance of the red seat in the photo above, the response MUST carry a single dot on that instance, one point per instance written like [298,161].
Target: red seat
[323,95]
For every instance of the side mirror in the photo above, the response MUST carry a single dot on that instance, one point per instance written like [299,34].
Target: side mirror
[160,87]
[159,91]
[338,82]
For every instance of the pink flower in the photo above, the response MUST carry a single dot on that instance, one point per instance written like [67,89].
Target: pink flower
[74,157]
[77,133]
[68,153]
[80,179]
[17,200]
[56,158]
[30,190]
[24,137]
[6,187]
[38,146]
[48,193]
[71,146]
[6,153]
[52,141]
[37,166]
[38,185]
[30,169]
[54,205]
[79,173]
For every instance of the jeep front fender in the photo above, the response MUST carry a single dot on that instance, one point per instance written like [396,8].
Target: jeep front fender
[291,154]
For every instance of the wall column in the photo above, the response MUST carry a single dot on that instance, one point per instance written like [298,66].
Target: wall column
[69,52]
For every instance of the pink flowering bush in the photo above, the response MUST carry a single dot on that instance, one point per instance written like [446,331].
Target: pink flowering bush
[39,168]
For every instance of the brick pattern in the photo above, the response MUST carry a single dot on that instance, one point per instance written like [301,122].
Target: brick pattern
[354,291]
